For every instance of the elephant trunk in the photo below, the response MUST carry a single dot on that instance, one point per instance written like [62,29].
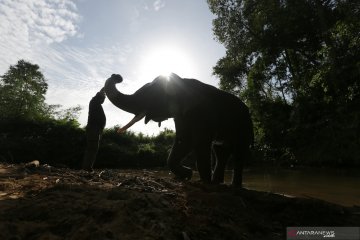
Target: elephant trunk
[128,103]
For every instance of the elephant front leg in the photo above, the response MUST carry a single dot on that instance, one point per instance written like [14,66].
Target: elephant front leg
[179,151]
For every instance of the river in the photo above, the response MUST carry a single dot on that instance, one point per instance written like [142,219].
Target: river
[335,186]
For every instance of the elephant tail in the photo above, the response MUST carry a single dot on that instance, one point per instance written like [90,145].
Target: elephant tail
[249,126]
[251,133]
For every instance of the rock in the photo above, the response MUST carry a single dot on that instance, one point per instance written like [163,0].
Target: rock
[33,164]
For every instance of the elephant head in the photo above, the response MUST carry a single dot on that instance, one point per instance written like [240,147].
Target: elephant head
[151,101]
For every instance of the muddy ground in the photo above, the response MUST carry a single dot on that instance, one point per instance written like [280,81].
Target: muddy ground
[44,202]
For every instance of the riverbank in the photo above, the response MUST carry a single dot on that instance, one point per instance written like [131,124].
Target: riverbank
[43,202]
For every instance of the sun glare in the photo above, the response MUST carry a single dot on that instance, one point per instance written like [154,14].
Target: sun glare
[164,61]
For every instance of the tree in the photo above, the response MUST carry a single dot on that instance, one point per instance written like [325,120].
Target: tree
[70,114]
[297,63]
[22,90]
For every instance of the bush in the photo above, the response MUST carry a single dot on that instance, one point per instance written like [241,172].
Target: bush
[49,141]
[62,142]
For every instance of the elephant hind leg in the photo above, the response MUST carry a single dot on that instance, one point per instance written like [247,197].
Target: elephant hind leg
[203,161]
[222,154]
[240,156]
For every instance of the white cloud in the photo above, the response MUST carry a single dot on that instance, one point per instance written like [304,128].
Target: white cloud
[28,25]
[158,4]
[83,68]
[56,20]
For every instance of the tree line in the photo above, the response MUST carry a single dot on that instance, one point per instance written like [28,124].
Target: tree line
[297,65]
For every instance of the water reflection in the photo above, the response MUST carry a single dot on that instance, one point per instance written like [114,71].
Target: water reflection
[341,187]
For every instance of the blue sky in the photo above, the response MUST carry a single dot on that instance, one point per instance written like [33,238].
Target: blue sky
[79,44]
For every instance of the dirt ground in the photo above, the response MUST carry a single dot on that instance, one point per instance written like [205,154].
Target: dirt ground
[44,202]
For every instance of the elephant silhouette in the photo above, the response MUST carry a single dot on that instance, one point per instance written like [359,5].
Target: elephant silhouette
[206,119]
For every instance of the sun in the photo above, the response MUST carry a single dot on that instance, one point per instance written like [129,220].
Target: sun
[165,60]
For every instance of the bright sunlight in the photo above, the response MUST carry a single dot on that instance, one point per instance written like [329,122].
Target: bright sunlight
[165,60]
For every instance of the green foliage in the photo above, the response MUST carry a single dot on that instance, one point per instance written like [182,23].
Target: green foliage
[22,90]
[22,95]
[47,140]
[59,142]
[70,114]
[130,150]
[297,64]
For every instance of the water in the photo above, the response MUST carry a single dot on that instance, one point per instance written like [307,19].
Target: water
[340,187]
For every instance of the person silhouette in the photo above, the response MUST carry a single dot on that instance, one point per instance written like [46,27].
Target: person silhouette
[94,128]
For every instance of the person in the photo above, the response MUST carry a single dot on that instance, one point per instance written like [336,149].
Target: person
[94,128]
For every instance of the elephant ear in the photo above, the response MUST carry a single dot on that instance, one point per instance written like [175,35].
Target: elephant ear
[155,103]
[183,95]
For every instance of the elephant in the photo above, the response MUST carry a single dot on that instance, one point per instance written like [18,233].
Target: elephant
[94,128]
[207,120]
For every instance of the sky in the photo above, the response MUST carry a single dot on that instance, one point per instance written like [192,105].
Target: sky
[79,44]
